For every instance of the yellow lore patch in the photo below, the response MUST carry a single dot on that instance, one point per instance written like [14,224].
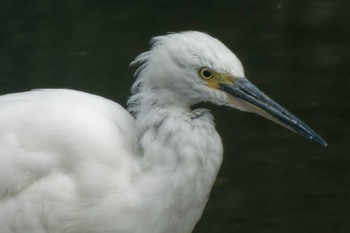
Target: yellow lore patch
[218,79]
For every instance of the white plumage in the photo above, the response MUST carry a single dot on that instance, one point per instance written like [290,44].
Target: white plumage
[79,163]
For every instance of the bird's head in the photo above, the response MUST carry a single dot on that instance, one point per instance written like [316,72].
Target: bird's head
[191,67]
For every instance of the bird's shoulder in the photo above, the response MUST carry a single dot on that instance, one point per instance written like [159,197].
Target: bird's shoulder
[69,133]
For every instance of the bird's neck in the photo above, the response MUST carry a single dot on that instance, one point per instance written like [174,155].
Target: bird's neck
[182,153]
[169,130]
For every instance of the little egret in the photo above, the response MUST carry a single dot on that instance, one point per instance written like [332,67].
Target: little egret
[78,163]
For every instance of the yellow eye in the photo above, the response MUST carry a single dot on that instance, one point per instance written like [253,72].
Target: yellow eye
[206,73]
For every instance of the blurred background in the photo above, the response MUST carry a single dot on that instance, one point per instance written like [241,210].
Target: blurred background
[296,51]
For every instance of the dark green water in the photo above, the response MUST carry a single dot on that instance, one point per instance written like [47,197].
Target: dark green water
[296,51]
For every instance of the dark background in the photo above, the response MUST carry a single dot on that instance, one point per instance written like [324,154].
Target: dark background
[296,51]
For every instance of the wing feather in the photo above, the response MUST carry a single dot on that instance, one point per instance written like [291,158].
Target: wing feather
[58,147]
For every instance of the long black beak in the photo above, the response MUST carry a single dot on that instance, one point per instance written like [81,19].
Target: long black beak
[248,97]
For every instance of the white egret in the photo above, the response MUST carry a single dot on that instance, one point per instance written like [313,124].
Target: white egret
[78,163]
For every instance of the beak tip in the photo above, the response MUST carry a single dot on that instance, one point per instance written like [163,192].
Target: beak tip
[319,140]
[323,143]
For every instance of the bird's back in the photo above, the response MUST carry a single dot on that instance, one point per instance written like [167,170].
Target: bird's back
[59,150]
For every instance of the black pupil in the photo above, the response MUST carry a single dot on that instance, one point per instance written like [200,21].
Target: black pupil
[207,73]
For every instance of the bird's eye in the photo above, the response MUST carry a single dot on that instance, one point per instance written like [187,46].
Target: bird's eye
[206,73]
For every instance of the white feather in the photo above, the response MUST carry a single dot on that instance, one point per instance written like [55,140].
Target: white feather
[79,163]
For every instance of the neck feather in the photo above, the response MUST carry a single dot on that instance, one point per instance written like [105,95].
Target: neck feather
[182,153]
